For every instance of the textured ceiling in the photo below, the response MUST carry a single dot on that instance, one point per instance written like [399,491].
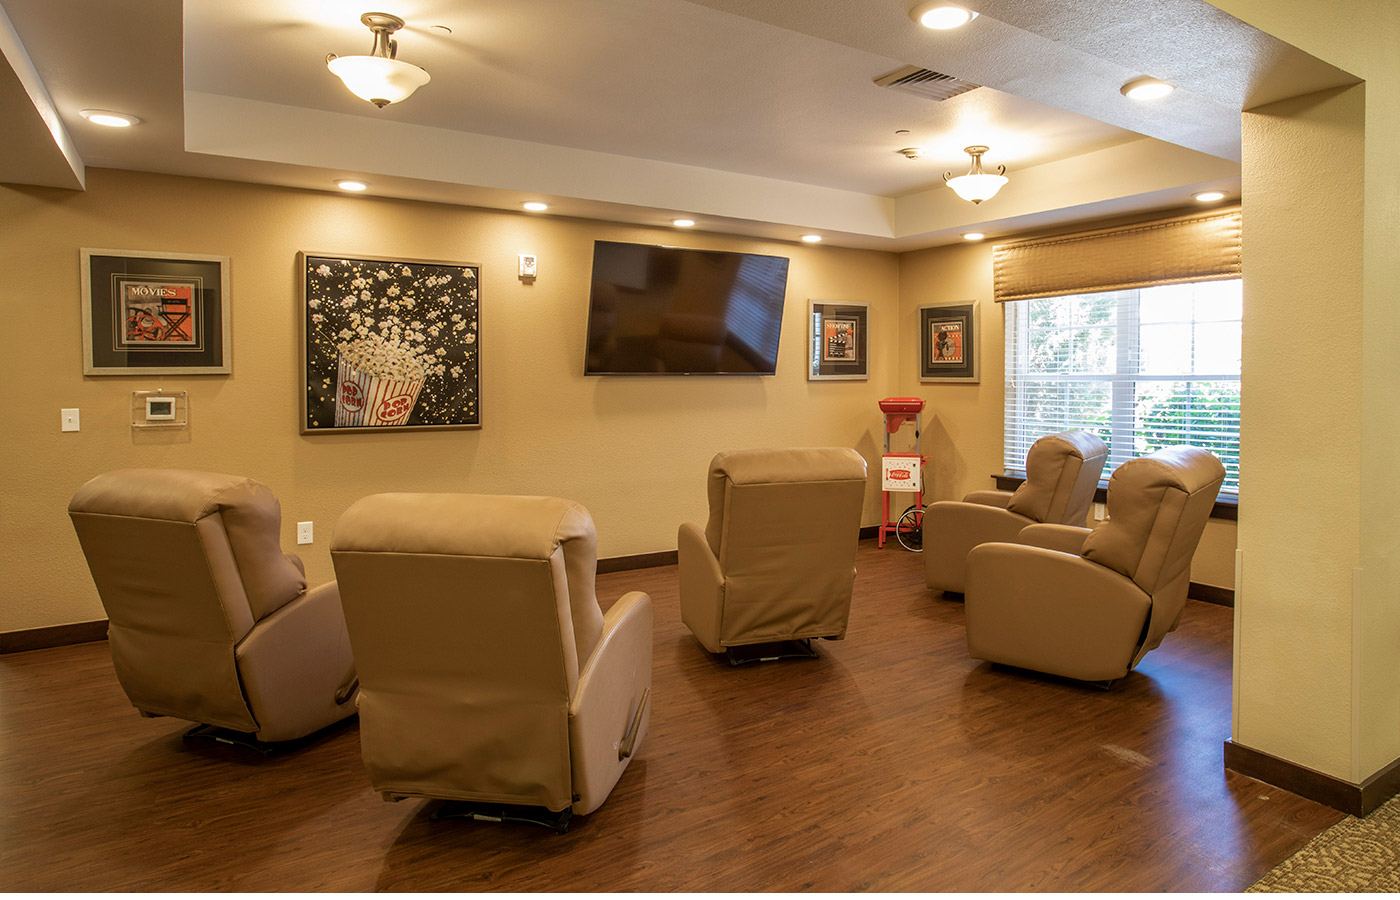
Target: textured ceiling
[754,116]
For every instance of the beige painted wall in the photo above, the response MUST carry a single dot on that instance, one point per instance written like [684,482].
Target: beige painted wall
[633,450]
[963,423]
[1316,673]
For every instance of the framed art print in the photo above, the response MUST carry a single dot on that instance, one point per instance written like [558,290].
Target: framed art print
[948,343]
[838,341]
[389,344]
[151,313]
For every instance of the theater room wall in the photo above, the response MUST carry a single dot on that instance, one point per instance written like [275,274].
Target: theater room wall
[635,451]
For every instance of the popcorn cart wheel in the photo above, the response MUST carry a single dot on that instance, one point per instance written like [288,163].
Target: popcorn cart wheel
[910,529]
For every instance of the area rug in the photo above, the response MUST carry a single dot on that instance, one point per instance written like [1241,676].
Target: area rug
[1354,855]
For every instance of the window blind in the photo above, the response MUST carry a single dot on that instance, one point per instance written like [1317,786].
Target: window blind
[1142,368]
[1179,250]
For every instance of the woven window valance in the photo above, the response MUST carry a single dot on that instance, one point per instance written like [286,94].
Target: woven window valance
[1197,247]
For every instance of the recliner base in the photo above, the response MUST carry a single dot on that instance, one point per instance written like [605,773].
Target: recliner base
[773,650]
[505,812]
[235,738]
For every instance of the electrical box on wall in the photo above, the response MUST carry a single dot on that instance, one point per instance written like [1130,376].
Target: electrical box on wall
[160,409]
[529,266]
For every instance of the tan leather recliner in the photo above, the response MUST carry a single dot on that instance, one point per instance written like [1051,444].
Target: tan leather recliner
[1089,604]
[1062,473]
[776,561]
[488,671]
[210,621]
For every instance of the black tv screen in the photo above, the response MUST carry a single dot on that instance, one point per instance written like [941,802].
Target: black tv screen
[669,311]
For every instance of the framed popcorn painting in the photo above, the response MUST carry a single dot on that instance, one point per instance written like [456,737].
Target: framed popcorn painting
[389,344]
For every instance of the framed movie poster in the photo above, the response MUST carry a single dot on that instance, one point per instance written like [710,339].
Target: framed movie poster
[389,344]
[837,341]
[149,313]
[948,343]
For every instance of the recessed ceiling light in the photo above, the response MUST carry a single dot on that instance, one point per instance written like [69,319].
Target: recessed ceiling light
[1210,196]
[811,238]
[1146,89]
[683,223]
[973,236]
[108,118]
[439,29]
[535,206]
[941,16]
[351,184]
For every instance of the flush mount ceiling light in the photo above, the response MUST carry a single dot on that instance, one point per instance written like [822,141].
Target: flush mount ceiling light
[535,206]
[1146,88]
[1210,196]
[812,238]
[109,118]
[379,78]
[683,223]
[977,185]
[351,184]
[941,16]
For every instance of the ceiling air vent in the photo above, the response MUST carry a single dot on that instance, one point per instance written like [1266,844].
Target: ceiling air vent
[925,83]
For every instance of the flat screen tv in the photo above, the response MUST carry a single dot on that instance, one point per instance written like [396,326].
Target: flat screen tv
[657,310]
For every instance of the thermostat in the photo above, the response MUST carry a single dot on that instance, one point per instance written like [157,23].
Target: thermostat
[528,265]
[160,409]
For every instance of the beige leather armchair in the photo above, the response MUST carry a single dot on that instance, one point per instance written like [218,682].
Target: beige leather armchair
[1089,604]
[776,561]
[1062,473]
[489,673]
[210,621]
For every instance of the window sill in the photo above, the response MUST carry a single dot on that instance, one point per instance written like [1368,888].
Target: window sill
[1226,506]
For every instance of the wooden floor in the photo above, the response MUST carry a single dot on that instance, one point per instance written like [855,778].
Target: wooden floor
[892,763]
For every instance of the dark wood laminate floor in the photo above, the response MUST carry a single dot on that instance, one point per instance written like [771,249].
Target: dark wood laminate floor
[893,763]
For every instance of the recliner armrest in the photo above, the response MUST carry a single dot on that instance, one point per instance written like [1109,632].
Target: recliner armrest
[1052,612]
[1064,538]
[611,703]
[952,529]
[296,561]
[701,586]
[999,499]
[297,668]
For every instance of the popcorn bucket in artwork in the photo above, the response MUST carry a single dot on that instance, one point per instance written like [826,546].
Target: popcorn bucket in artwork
[376,384]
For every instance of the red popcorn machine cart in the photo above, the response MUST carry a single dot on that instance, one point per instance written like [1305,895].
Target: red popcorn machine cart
[902,472]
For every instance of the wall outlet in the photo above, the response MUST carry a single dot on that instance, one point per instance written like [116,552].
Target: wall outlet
[303,532]
[68,419]
[1099,512]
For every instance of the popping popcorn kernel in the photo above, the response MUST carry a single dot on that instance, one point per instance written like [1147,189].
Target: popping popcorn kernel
[374,357]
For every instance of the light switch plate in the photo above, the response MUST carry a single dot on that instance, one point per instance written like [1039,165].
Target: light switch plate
[529,265]
[69,419]
[303,532]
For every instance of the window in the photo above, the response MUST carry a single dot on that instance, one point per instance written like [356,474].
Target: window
[1143,368]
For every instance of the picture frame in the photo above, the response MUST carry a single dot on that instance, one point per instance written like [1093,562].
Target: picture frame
[389,344]
[838,340]
[948,343]
[155,313]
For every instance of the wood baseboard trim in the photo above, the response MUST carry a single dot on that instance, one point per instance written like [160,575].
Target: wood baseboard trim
[1209,593]
[1354,799]
[636,561]
[52,636]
